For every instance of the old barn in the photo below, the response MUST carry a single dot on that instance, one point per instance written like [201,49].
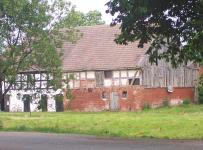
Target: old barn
[108,76]
[117,77]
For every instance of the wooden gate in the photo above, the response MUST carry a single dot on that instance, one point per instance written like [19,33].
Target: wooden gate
[114,104]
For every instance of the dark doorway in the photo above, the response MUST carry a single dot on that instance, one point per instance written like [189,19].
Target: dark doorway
[59,103]
[27,100]
[7,102]
[43,103]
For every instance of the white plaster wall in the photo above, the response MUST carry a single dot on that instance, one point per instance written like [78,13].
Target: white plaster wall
[82,75]
[131,73]
[124,81]
[51,105]
[107,82]
[90,75]
[116,82]
[17,104]
[124,73]
[116,74]
[70,83]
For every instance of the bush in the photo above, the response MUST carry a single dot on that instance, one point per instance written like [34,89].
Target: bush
[200,90]
[146,106]
[186,102]
[200,94]
[59,102]
[42,104]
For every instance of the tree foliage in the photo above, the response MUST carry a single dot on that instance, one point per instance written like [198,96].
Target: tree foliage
[77,18]
[31,38]
[174,28]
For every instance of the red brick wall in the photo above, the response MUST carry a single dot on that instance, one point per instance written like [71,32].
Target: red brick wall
[156,96]
[201,70]
[90,99]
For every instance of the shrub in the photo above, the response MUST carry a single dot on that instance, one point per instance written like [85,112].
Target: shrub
[200,90]
[146,106]
[186,102]
[42,104]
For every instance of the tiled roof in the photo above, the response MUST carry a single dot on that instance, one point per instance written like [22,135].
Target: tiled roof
[96,50]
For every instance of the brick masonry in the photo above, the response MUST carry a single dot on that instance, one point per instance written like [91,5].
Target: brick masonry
[90,99]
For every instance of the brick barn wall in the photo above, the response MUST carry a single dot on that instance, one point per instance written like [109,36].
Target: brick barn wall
[91,100]
[201,70]
[156,96]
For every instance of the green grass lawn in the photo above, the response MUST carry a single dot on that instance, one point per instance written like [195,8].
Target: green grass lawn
[183,122]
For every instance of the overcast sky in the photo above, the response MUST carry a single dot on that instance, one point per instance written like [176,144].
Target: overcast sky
[87,5]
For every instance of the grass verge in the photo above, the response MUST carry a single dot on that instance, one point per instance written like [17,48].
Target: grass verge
[183,122]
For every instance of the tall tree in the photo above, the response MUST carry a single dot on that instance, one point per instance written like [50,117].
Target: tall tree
[174,28]
[31,38]
[78,18]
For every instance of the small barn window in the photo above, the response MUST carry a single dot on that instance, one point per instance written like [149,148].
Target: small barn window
[90,90]
[124,94]
[108,74]
[135,82]
[104,95]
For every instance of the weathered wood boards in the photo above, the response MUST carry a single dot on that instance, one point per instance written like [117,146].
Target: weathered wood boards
[164,75]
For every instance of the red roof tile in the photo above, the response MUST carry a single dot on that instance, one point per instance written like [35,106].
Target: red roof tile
[97,50]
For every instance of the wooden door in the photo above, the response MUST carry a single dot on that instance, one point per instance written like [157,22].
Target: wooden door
[114,104]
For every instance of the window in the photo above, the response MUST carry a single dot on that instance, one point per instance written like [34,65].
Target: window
[37,76]
[125,94]
[43,84]
[43,76]
[136,81]
[90,90]
[18,85]
[108,74]
[104,95]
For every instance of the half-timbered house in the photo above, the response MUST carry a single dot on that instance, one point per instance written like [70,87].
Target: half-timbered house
[108,76]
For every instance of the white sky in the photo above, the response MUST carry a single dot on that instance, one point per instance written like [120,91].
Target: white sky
[87,5]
